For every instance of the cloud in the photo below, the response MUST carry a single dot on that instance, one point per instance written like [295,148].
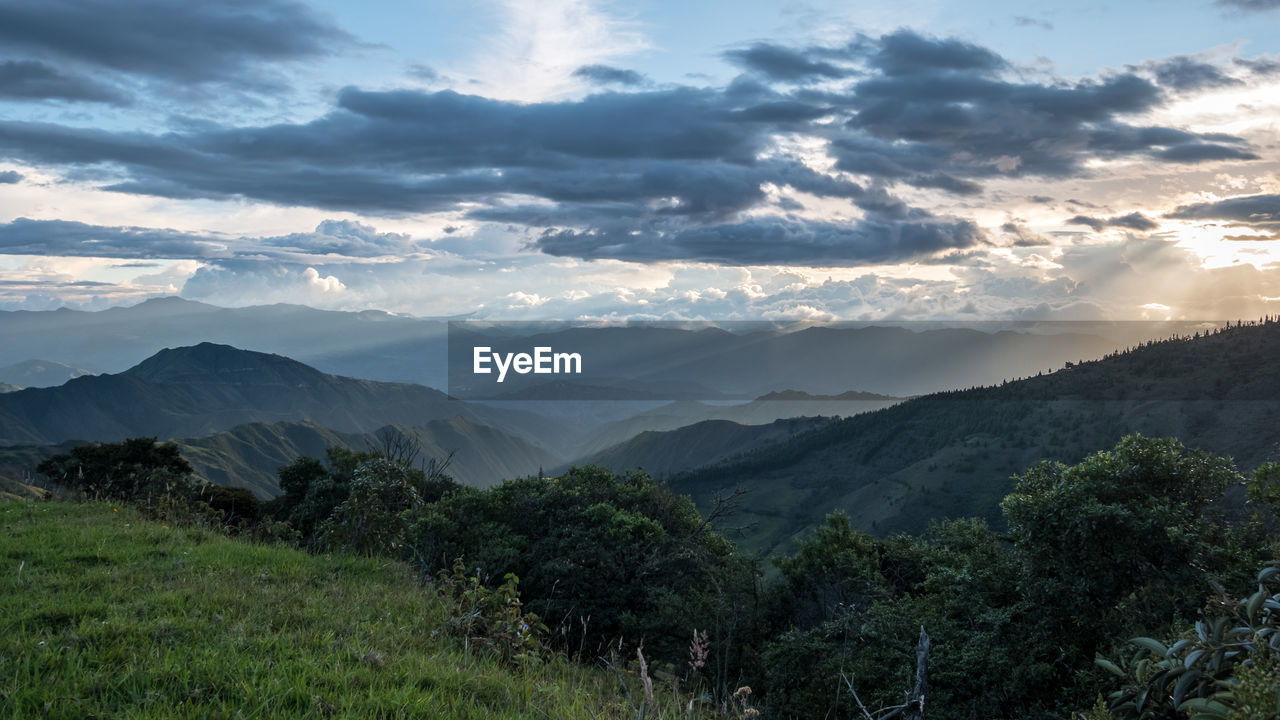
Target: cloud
[75,239]
[1020,235]
[10,177]
[336,239]
[1132,221]
[606,75]
[1024,21]
[783,64]
[772,242]
[178,42]
[536,47]
[905,53]
[690,168]
[32,80]
[1249,5]
[1185,73]
[1257,211]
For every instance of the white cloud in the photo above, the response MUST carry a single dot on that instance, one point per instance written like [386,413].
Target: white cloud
[538,45]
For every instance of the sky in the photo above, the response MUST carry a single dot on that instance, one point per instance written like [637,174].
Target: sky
[583,159]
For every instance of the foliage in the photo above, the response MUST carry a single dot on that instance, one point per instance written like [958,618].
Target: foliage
[958,579]
[601,558]
[355,499]
[370,520]
[138,470]
[1121,543]
[1225,668]
[487,618]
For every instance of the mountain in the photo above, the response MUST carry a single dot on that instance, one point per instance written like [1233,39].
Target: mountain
[953,454]
[661,453]
[39,373]
[672,416]
[248,455]
[369,344]
[207,388]
[690,361]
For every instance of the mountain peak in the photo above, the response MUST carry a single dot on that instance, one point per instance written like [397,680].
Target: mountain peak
[211,362]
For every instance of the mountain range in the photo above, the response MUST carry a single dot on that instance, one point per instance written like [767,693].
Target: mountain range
[955,454]
[892,464]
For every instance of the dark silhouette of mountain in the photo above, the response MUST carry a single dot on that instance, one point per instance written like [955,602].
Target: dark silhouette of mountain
[248,455]
[207,388]
[953,454]
[39,373]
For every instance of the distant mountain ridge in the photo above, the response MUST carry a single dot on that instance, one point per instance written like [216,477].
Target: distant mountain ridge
[39,373]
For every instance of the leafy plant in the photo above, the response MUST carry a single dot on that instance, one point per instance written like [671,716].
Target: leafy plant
[1226,668]
[492,619]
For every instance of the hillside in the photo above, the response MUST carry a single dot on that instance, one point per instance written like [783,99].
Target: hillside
[248,455]
[106,614]
[675,415]
[662,453]
[952,454]
[208,388]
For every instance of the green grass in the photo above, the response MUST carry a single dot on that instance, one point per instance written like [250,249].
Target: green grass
[106,614]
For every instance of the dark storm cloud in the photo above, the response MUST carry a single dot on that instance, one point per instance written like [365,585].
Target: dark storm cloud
[1132,221]
[784,64]
[176,41]
[32,80]
[1259,211]
[10,177]
[605,75]
[771,242]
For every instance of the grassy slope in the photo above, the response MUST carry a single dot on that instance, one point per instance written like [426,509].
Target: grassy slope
[106,614]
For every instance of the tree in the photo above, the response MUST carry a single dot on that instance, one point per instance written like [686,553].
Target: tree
[1122,543]
[137,469]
